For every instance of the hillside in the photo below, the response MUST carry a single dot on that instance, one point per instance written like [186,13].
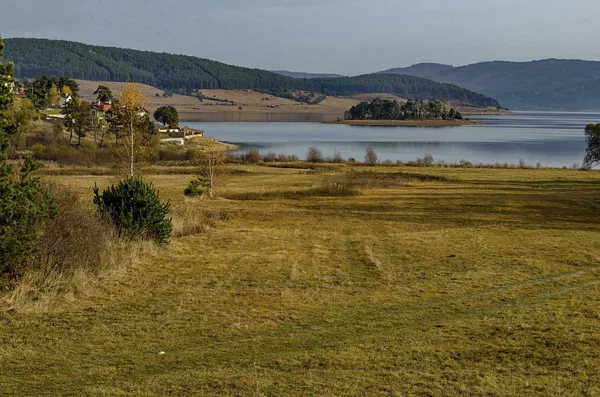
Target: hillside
[35,57]
[224,105]
[409,87]
[551,84]
[302,75]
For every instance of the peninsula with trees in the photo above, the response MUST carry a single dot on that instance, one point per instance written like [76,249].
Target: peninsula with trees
[418,113]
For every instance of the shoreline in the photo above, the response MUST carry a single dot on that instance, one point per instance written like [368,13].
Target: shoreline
[406,123]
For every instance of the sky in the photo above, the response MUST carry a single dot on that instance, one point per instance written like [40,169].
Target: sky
[348,37]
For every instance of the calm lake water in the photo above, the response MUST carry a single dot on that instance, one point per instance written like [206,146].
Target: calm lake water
[552,139]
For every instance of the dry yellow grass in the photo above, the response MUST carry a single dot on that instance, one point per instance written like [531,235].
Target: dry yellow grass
[486,283]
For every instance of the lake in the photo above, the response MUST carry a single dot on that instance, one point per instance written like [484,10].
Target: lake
[551,139]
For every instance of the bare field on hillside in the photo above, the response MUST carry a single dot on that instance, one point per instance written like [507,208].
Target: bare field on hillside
[255,105]
[429,282]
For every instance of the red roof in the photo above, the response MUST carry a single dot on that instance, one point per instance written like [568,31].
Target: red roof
[102,107]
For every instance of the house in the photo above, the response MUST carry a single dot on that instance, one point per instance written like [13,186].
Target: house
[143,112]
[99,110]
[9,84]
[64,99]
[180,135]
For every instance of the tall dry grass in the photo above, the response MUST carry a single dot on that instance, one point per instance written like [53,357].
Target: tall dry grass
[325,190]
[374,179]
[189,219]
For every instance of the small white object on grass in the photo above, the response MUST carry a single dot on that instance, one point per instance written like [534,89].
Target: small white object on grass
[161,353]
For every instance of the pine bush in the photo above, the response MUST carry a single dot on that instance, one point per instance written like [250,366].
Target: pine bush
[136,210]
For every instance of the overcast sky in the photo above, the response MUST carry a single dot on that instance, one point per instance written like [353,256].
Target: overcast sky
[330,36]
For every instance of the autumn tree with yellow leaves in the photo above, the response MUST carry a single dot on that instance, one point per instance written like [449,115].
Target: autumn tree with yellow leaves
[130,123]
[53,96]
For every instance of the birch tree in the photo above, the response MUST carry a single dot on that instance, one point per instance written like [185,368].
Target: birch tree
[212,164]
[132,127]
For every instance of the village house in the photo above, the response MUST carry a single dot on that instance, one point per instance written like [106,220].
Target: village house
[64,99]
[99,110]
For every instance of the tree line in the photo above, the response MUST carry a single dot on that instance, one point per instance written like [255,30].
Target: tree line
[46,91]
[35,57]
[382,109]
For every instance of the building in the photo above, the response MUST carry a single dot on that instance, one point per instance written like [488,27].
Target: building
[99,110]
[64,99]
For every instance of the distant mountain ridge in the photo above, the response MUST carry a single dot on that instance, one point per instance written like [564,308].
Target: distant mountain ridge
[35,57]
[303,75]
[549,84]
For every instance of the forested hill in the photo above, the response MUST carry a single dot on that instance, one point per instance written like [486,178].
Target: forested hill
[37,57]
[405,86]
[551,84]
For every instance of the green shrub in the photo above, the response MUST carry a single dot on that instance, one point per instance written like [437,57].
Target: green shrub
[196,187]
[25,204]
[136,210]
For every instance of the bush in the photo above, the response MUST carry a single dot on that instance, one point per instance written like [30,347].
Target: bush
[76,156]
[24,205]
[314,155]
[426,161]
[253,156]
[196,187]
[136,210]
[282,157]
[270,157]
[370,156]
[337,157]
[75,239]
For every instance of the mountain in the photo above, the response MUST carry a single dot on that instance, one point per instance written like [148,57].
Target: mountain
[37,57]
[302,75]
[550,84]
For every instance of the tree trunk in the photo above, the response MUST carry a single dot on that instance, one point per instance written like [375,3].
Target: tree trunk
[132,154]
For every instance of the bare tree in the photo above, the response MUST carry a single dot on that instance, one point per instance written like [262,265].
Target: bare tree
[370,156]
[211,168]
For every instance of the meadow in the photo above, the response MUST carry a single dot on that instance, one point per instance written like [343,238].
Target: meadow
[336,281]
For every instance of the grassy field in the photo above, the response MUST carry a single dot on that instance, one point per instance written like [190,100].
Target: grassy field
[457,282]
